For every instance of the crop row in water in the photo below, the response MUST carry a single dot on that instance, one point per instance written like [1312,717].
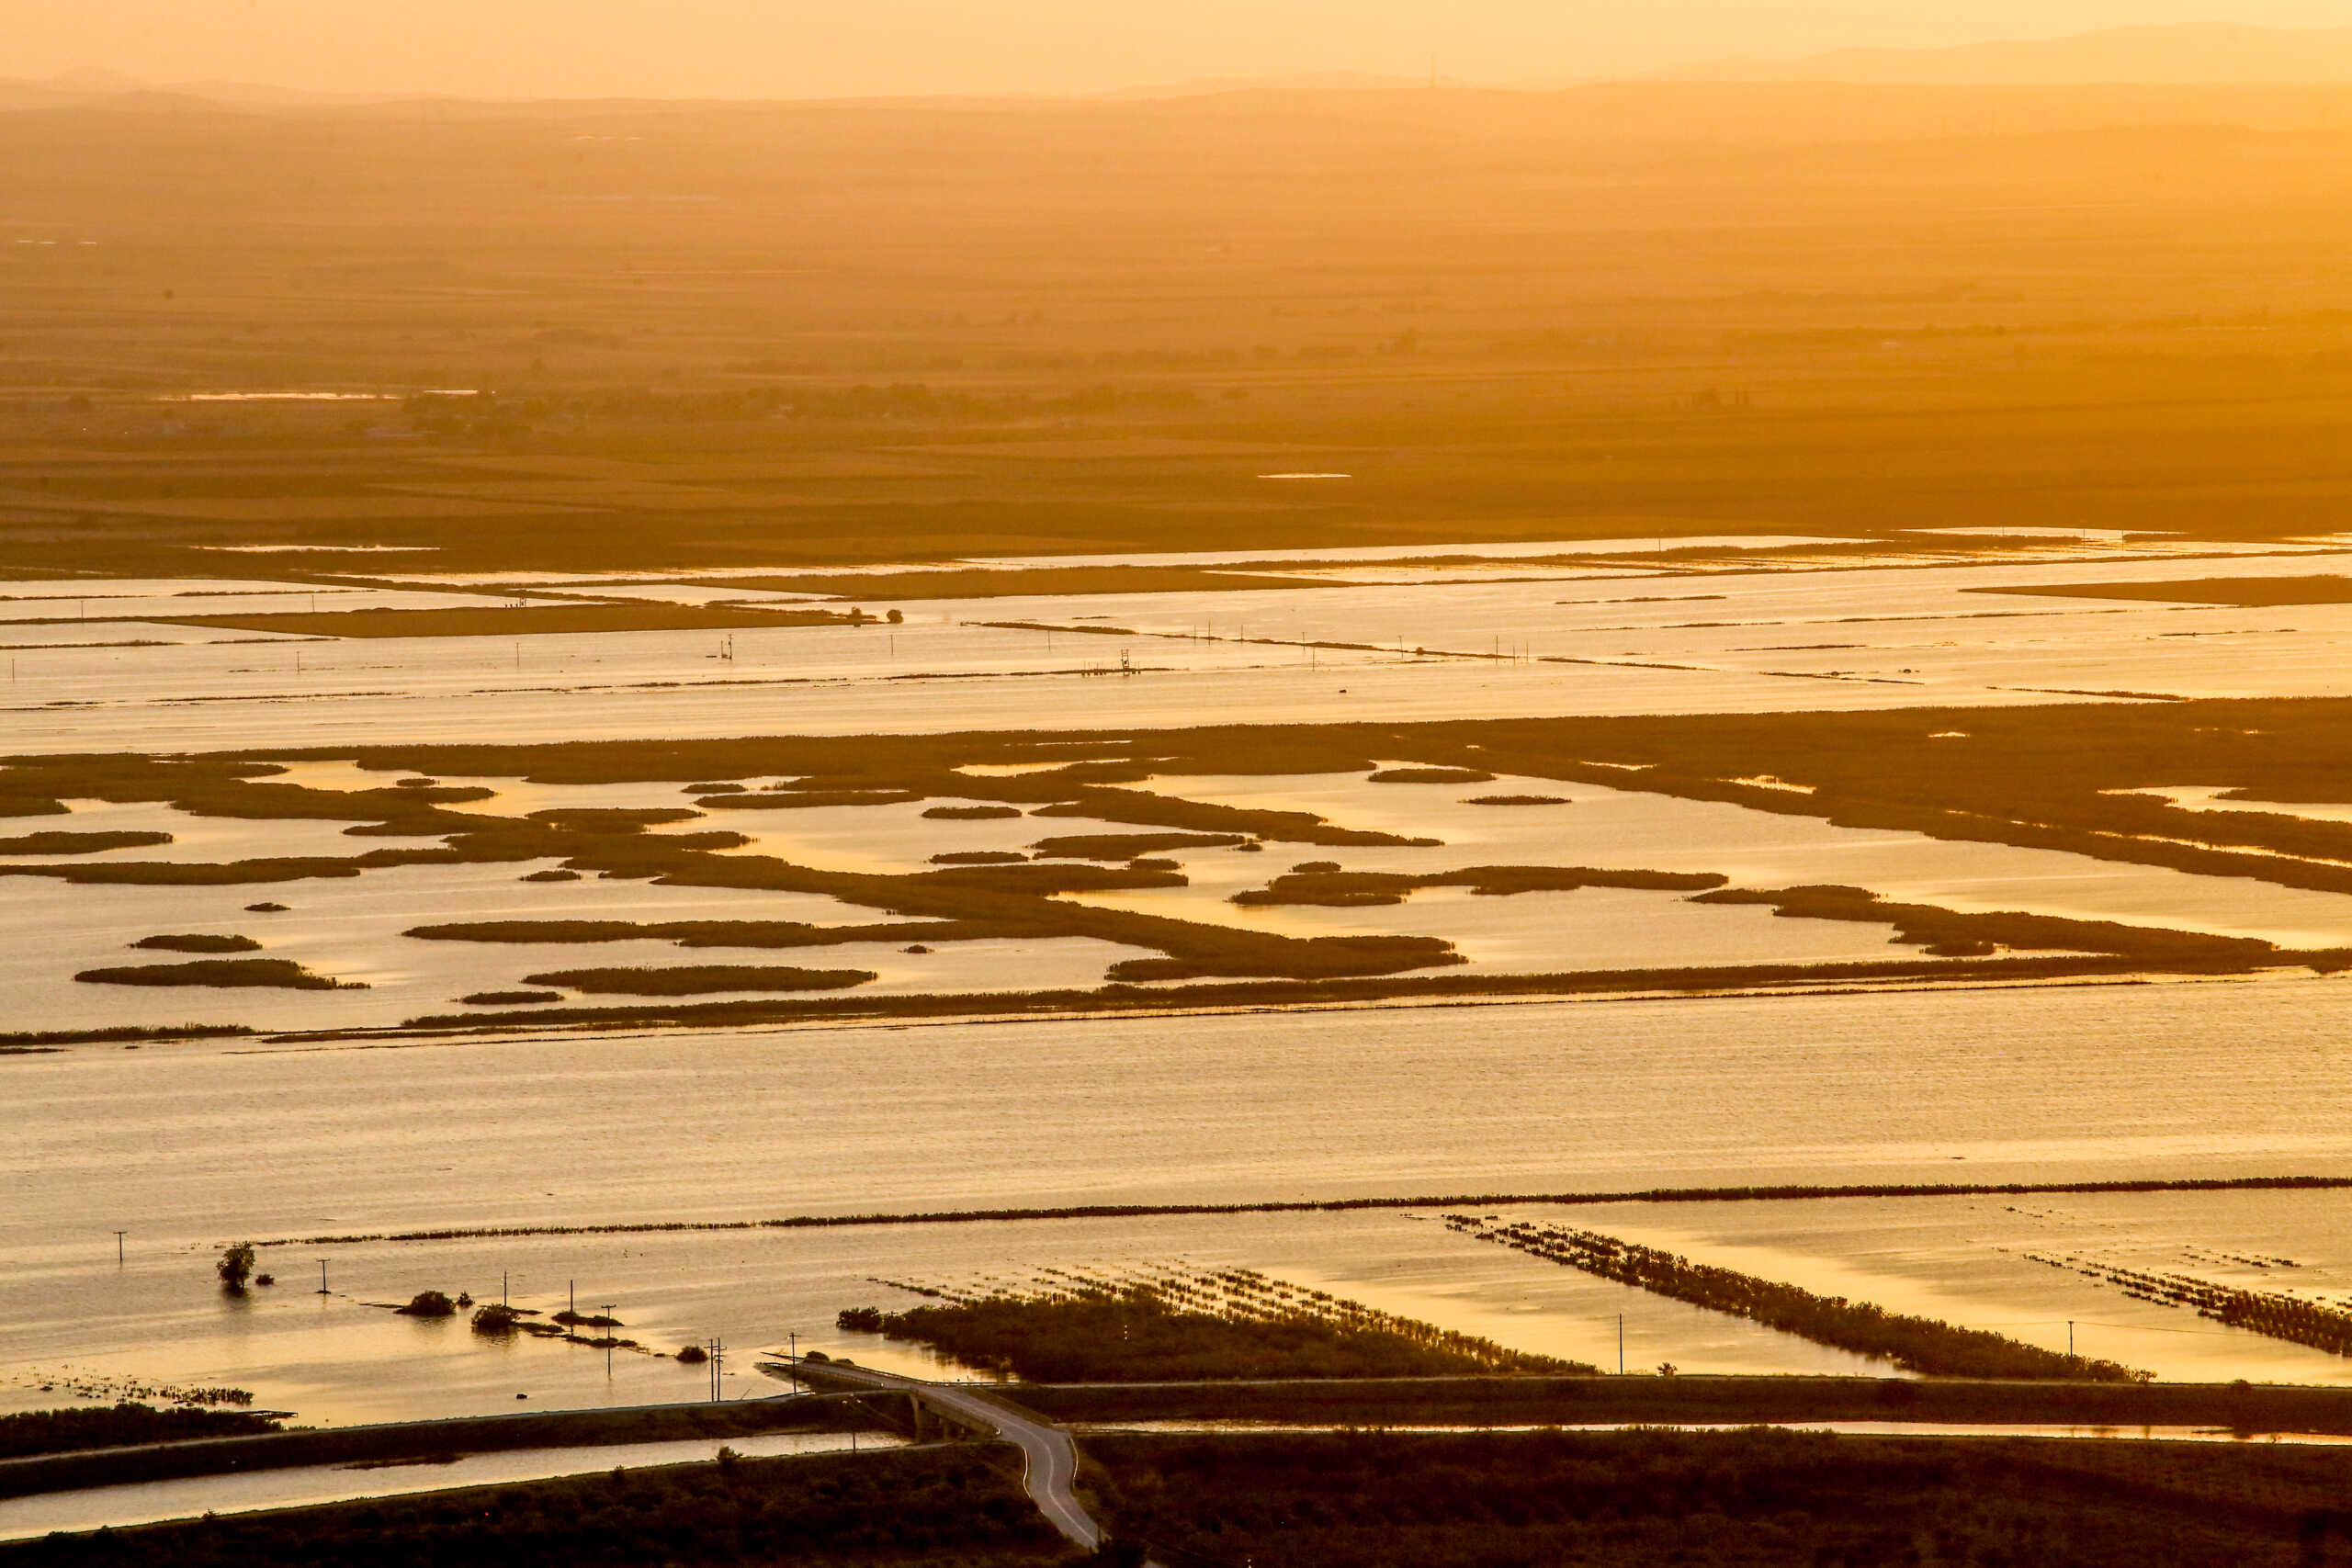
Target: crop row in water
[2273,1313]
[1916,1344]
[1168,1326]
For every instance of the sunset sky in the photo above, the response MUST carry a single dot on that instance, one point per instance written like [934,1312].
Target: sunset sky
[803,48]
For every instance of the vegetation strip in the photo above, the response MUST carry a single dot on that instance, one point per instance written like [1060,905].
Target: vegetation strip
[2240,1408]
[127,1034]
[1352,889]
[1916,1344]
[924,1505]
[272,1450]
[67,1431]
[1349,1206]
[1232,1323]
[277,974]
[1124,997]
[2274,1314]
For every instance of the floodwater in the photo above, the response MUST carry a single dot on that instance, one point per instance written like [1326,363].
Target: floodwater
[192,1147]
[350,928]
[1734,631]
[1629,828]
[2076,1082]
[154,1502]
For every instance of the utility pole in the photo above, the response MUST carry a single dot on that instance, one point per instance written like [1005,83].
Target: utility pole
[606,1310]
[717,1349]
[2070,1339]
[117,1247]
[322,1276]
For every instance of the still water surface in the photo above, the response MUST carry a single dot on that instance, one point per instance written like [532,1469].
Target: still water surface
[192,1147]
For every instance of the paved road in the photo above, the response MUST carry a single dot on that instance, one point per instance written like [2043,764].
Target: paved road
[1049,1458]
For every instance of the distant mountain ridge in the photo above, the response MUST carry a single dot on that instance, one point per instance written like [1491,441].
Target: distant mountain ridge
[88,87]
[2203,53]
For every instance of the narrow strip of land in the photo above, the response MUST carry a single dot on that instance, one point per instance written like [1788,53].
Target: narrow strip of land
[1794,1193]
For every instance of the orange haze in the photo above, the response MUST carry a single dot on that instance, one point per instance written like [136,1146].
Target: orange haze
[800,47]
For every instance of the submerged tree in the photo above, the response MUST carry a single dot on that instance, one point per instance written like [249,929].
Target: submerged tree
[236,1267]
[496,1318]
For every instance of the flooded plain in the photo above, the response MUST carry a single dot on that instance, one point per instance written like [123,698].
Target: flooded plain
[276,1143]
[506,1153]
[1721,629]
[351,925]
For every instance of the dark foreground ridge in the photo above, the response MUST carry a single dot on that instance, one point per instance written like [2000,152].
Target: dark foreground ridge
[1750,1499]
[1793,1193]
[925,1505]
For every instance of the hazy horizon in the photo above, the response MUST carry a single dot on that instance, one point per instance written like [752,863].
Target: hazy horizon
[737,48]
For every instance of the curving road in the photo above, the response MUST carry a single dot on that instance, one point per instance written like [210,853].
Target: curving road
[1049,1458]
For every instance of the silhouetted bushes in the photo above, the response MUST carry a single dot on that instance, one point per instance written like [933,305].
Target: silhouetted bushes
[691,933]
[197,944]
[66,1431]
[1127,846]
[689,980]
[279,974]
[1350,889]
[79,844]
[127,1034]
[1947,934]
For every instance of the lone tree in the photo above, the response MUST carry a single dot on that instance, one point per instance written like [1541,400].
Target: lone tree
[496,1318]
[236,1267]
